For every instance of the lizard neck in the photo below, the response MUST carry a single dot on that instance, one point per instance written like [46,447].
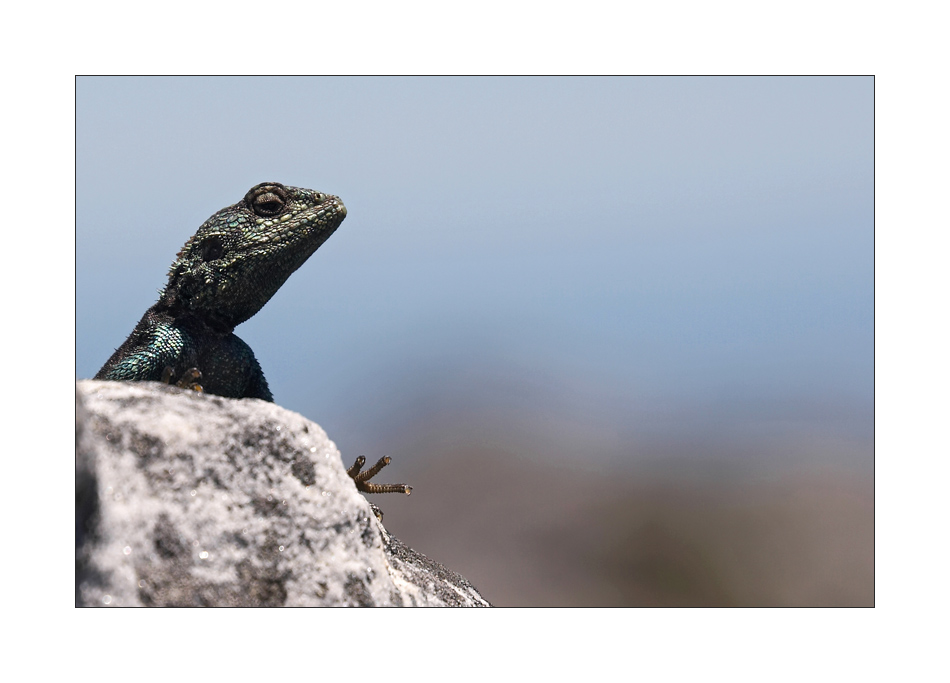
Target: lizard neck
[202,322]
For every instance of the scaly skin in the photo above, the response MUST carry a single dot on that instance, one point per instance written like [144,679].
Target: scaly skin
[223,275]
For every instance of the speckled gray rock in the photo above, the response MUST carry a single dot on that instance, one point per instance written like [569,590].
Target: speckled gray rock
[191,499]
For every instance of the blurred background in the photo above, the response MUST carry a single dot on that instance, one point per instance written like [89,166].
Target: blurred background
[616,332]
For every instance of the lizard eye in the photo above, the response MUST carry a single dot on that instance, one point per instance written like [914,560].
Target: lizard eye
[212,249]
[268,204]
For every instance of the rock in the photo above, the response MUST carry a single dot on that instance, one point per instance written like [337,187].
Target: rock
[185,498]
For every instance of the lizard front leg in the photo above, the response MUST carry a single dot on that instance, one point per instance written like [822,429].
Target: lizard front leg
[188,380]
[361,479]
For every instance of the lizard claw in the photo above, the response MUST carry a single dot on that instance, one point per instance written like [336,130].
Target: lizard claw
[188,380]
[361,479]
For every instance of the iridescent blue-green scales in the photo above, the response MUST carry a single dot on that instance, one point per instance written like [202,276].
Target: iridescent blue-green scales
[223,275]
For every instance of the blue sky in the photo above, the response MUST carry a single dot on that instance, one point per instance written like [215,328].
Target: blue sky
[649,258]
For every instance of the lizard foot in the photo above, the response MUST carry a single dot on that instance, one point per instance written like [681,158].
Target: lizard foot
[361,479]
[188,380]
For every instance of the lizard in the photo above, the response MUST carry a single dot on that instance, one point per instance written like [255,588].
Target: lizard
[221,277]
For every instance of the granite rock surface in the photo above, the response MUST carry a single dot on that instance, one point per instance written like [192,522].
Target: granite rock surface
[189,499]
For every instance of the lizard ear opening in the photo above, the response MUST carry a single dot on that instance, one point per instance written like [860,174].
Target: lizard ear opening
[212,249]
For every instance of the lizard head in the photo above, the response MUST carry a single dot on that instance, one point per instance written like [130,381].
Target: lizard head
[241,256]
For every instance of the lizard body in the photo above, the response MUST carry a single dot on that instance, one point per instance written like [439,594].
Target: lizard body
[225,273]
